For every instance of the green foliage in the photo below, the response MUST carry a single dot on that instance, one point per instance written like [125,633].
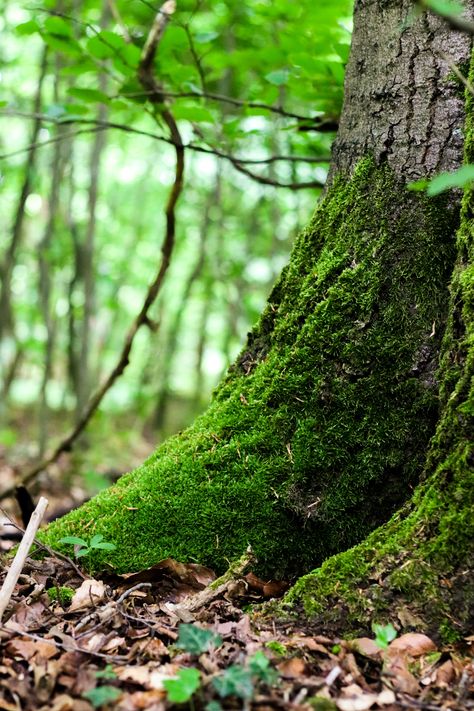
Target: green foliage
[83,547]
[106,673]
[459,178]
[102,695]
[384,634]
[196,640]
[236,680]
[184,686]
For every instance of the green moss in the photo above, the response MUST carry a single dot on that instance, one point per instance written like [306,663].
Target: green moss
[318,432]
[423,559]
[62,594]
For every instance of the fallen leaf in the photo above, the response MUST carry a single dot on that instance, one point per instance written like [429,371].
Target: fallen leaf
[147,676]
[356,703]
[445,674]
[27,649]
[292,668]
[413,643]
[400,677]
[365,646]
[88,595]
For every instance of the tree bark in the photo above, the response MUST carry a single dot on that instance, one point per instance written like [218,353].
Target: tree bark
[320,429]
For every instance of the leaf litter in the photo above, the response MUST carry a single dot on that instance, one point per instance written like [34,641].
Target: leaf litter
[172,636]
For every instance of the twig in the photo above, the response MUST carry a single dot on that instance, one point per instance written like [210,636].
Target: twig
[457,72]
[145,75]
[43,546]
[21,555]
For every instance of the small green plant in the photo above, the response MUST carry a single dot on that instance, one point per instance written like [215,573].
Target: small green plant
[62,594]
[235,681]
[183,687]
[102,695]
[276,648]
[238,680]
[107,673]
[83,547]
[384,634]
[196,640]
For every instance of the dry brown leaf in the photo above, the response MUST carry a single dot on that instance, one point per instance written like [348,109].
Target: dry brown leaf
[400,677]
[356,702]
[292,668]
[89,594]
[27,649]
[147,676]
[150,700]
[445,674]
[413,644]
[365,646]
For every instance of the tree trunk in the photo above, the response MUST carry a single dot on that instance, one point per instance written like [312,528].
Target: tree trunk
[320,429]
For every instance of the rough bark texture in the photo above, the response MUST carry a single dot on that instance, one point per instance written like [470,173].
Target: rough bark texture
[319,431]
[399,105]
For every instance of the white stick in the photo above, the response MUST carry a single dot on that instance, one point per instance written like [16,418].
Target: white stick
[21,554]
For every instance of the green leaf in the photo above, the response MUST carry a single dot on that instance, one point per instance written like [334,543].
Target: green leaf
[58,26]
[65,45]
[107,673]
[196,640]
[260,667]
[105,546]
[74,541]
[82,552]
[102,695]
[27,28]
[183,687]
[192,112]
[88,95]
[384,634]
[213,706]
[96,539]
[203,37]
[278,77]
[458,179]
[105,44]
[445,7]
[235,681]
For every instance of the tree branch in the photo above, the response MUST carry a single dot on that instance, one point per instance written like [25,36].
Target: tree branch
[236,161]
[146,77]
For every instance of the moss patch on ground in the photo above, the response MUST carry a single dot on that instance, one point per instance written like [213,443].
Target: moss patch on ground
[320,428]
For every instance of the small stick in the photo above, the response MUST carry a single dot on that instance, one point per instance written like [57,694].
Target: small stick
[21,555]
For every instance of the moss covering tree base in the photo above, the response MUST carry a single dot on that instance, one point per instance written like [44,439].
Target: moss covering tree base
[319,431]
[419,567]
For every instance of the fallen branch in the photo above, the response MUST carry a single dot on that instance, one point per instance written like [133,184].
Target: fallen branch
[21,555]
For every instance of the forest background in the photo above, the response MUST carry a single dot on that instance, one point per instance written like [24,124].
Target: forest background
[85,176]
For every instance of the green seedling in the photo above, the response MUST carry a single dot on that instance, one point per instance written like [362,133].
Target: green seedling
[83,547]
[384,634]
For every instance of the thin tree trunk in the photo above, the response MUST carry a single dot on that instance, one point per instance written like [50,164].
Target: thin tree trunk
[9,259]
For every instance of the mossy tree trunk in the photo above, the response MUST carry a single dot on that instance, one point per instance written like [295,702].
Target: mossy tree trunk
[319,431]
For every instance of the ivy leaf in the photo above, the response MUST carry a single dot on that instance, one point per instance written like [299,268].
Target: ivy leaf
[183,687]
[235,681]
[102,695]
[259,666]
[196,640]
[279,77]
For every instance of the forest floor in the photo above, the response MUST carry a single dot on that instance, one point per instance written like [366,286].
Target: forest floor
[167,638]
